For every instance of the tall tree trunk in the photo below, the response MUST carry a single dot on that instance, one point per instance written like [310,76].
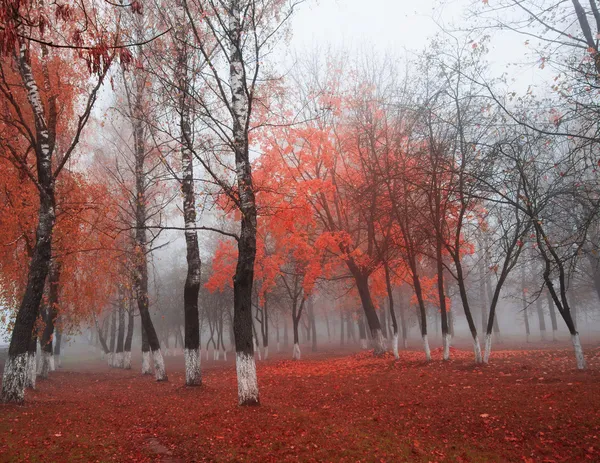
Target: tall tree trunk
[442,299]
[119,356]
[313,323]
[15,369]
[146,367]
[342,322]
[286,339]
[128,340]
[390,294]
[113,338]
[362,284]
[542,321]
[141,243]
[193,374]
[244,273]
[265,327]
[50,314]
[31,362]
[362,331]
[296,316]
[57,346]
[552,310]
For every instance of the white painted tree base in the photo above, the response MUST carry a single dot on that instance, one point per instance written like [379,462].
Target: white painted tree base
[296,354]
[14,379]
[246,376]
[477,350]
[110,359]
[58,361]
[426,348]
[31,371]
[44,369]
[146,369]
[52,363]
[193,375]
[363,343]
[446,344]
[266,352]
[127,360]
[224,355]
[395,346]
[578,351]
[488,348]
[119,360]
[159,366]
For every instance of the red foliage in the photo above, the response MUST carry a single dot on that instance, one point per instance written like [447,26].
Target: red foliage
[526,406]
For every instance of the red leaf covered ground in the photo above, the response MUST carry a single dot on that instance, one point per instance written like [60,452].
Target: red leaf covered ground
[530,406]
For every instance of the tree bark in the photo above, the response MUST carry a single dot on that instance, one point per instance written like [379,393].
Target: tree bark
[15,368]
[362,284]
[244,274]
[128,340]
[50,314]
[119,356]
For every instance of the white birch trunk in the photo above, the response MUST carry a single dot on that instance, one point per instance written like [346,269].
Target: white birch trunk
[119,360]
[426,348]
[477,349]
[193,376]
[14,378]
[44,364]
[296,353]
[246,376]
[446,343]
[159,366]
[31,371]
[395,346]
[146,368]
[127,360]
[51,362]
[488,348]
[578,351]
